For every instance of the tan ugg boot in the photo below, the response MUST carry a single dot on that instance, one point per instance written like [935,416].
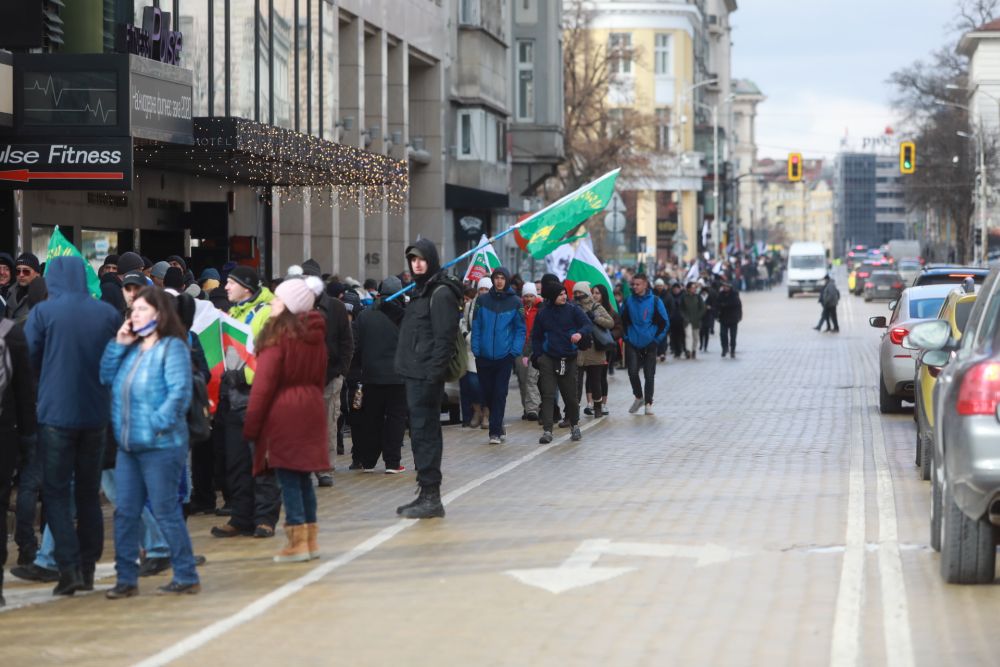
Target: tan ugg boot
[477,416]
[297,548]
[313,532]
[486,418]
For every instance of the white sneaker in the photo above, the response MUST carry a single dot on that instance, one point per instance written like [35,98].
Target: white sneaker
[649,409]
[495,440]
[636,404]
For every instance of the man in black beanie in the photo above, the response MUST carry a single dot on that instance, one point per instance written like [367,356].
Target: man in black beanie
[129,262]
[178,262]
[26,269]
[173,281]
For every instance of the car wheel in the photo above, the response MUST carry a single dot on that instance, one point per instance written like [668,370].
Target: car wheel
[790,294]
[868,299]
[887,403]
[935,511]
[968,547]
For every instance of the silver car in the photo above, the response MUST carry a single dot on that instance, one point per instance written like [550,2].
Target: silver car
[965,458]
[896,363]
[908,269]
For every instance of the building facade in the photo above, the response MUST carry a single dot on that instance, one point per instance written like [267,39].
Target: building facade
[743,139]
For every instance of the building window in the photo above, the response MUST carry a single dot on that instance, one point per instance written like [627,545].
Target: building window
[468,12]
[525,80]
[501,140]
[663,130]
[465,132]
[620,52]
[616,122]
[661,55]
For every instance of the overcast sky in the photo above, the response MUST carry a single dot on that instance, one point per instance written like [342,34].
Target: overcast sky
[823,65]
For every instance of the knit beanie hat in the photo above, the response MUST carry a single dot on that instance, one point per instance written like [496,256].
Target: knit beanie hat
[311,267]
[581,286]
[111,259]
[129,262]
[246,276]
[174,278]
[210,274]
[529,288]
[159,270]
[390,286]
[296,296]
[179,260]
[485,282]
[29,260]
[552,290]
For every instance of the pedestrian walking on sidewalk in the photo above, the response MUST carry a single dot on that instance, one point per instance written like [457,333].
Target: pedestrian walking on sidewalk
[646,322]
[561,330]
[730,310]
[148,368]
[427,343]
[829,297]
[527,374]
[593,362]
[692,310]
[498,330]
[287,416]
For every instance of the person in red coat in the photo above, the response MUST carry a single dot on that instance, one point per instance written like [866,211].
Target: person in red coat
[286,417]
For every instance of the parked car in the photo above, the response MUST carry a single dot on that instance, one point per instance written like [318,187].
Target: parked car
[965,459]
[908,269]
[883,284]
[896,363]
[864,270]
[937,275]
[955,310]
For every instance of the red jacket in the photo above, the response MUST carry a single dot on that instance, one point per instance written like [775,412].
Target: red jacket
[529,318]
[286,417]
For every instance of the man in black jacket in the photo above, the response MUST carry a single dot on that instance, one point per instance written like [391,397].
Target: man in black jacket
[339,350]
[427,343]
[27,270]
[730,310]
[17,419]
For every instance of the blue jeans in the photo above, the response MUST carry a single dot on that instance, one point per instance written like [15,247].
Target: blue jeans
[298,495]
[153,475]
[469,393]
[494,382]
[71,465]
[152,538]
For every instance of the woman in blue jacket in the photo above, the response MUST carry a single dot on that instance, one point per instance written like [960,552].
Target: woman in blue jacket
[148,368]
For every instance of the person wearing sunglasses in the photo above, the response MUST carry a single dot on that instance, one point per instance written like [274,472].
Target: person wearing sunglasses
[26,269]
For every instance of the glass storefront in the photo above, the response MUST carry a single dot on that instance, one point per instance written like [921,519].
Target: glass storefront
[96,244]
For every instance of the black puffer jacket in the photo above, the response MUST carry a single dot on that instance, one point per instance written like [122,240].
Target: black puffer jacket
[730,307]
[17,405]
[339,340]
[427,334]
[378,338]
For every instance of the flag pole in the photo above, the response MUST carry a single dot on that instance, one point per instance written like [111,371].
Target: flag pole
[511,229]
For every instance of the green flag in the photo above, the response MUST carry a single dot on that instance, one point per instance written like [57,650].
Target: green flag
[60,247]
[556,224]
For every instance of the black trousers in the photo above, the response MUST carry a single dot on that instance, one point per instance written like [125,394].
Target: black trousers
[382,424]
[677,343]
[830,317]
[549,381]
[8,463]
[423,398]
[727,335]
[644,358]
[203,474]
[589,378]
[254,500]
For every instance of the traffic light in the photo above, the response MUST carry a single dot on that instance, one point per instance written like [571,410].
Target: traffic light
[907,157]
[795,167]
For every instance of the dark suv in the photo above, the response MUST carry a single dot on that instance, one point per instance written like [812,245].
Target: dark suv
[940,275]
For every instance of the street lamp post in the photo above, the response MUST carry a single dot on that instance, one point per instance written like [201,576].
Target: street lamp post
[680,197]
[984,236]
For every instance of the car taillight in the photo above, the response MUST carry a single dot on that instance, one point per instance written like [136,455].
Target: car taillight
[897,334]
[869,285]
[897,286]
[980,390]
[862,274]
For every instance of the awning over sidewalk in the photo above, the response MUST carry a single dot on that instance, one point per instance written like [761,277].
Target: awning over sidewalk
[245,151]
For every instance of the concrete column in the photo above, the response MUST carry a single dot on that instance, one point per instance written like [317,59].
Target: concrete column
[351,43]
[275,230]
[398,121]
[427,115]
[376,121]
[306,223]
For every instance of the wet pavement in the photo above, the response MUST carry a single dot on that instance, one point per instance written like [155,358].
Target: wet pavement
[766,515]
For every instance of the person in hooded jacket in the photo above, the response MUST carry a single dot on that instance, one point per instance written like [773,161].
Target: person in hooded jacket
[560,330]
[645,321]
[286,418]
[592,362]
[383,405]
[427,343]
[672,301]
[66,335]
[730,310]
[498,331]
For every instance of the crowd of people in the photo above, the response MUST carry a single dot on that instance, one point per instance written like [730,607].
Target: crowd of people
[110,395]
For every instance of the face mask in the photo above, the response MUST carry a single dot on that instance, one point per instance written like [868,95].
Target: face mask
[146,330]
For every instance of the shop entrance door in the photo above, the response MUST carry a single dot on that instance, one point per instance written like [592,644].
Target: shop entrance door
[209,225]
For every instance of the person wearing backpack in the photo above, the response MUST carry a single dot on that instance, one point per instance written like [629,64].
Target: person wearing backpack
[427,347]
[17,416]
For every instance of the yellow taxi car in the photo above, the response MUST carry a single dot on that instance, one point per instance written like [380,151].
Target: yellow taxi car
[955,309]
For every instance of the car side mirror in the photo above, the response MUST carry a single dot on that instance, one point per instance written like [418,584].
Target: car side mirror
[892,304]
[877,321]
[932,335]
[935,360]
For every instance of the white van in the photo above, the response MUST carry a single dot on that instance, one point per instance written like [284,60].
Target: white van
[806,268]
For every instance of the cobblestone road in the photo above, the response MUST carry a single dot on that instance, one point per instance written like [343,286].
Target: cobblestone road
[767,515]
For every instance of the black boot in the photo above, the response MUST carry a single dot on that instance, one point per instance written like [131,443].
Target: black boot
[70,581]
[426,506]
[87,572]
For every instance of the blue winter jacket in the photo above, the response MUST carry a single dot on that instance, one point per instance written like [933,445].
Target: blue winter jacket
[66,336]
[150,393]
[498,327]
[645,320]
[554,325]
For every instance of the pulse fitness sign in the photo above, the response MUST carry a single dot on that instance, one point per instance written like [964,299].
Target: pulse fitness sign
[104,164]
[154,39]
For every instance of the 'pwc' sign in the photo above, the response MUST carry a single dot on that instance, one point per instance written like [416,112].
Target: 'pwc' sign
[154,40]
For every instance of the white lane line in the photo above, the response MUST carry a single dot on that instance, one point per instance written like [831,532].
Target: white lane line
[263,604]
[845,646]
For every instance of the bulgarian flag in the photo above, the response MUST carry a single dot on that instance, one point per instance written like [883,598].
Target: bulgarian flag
[59,246]
[542,232]
[586,267]
[228,344]
[483,262]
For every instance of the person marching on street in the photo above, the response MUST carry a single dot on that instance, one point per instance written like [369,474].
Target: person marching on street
[730,311]
[672,303]
[646,322]
[527,375]
[709,296]
[498,330]
[560,330]
[693,310]
[427,336]
[592,362]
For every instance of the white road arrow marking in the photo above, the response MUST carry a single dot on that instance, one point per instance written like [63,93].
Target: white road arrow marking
[579,569]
